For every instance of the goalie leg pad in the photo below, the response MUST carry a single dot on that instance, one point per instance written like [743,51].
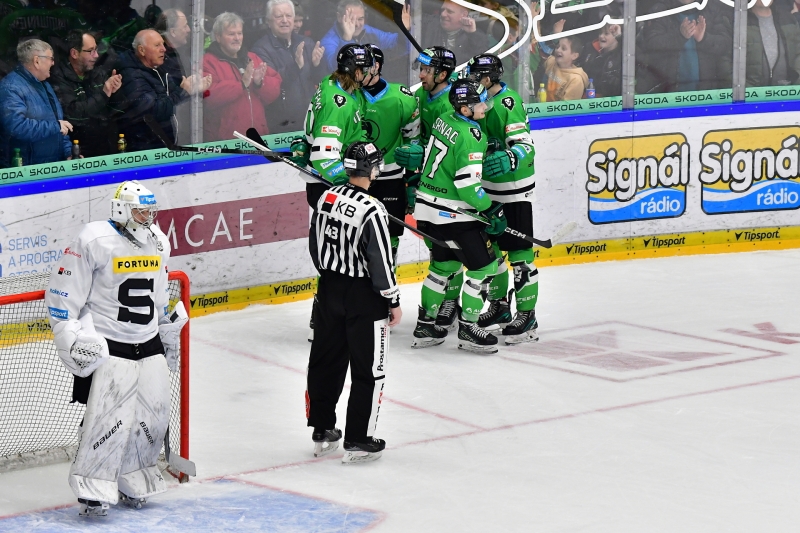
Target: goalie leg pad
[140,476]
[107,424]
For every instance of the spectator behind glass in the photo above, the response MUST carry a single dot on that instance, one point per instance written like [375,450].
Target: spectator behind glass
[299,17]
[297,59]
[691,50]
[84,92]
[351,27]
[773,46]
[243,84]
[603,62]
[562,79]
[32,119]
[149,90]
[174,28]
[456,31]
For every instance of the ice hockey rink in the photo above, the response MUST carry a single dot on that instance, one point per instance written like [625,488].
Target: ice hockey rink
[663,396]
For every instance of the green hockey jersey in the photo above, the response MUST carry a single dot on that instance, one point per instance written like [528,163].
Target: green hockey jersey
[333,122]
[431,107]
[507,121]
[389,119]
[451,173]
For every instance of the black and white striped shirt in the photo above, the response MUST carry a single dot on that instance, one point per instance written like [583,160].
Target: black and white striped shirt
[350,235]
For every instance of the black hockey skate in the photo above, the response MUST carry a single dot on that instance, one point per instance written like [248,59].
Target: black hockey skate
[497,316]
[427,333]
[473,338]
[522,328]
[448,313]
[325,441]
[311,321]
[92,508]
[133,503]
[363,452]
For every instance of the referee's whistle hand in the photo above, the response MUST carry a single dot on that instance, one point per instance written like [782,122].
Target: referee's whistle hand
[395,314]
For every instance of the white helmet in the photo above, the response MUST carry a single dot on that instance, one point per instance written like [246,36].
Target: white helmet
[134,207]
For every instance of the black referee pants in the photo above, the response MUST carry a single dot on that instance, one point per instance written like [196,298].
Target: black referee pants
[350,327]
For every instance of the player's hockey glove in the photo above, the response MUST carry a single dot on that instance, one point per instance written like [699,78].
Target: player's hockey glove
[499,163]
[495,145]
[301,151]
[79,346]
[497,222]
[409,156]
[169,329]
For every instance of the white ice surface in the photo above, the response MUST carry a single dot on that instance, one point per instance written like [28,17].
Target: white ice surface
[558,436]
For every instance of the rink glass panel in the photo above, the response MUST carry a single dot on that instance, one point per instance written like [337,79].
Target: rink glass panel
[39,424]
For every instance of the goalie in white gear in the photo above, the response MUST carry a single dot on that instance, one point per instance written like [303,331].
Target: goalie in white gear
[108,300]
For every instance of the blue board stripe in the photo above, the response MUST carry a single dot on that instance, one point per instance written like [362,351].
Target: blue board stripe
[614,117]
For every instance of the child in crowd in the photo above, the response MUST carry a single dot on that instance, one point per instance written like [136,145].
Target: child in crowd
[603,62]
[563,80]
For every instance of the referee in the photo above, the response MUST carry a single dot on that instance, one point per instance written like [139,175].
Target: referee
[358,299]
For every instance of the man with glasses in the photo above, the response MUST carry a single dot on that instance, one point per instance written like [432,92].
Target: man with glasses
[31,119]
[84,92]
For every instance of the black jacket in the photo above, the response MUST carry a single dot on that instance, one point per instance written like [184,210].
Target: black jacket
[145,91]
[288,112]
[605,70]
[664,43]
[85,106]
[467,46]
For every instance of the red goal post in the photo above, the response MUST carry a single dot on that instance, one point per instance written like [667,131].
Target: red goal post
[38,424]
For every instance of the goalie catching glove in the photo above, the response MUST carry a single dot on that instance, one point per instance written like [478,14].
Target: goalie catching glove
[409,156]
[79,346]
[301,151]
[500,163]
[170,332]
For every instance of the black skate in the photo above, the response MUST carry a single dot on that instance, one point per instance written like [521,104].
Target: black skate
[522,328]
[427,333]
[363,452]
[448,312]
[473,338]
[311,321]
[133,503]
[92,508]
[325,441]
[497,316]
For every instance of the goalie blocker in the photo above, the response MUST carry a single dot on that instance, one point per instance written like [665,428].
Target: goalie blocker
[113,332]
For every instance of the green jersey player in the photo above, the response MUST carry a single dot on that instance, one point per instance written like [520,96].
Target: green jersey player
[451,179]
[333,121]
[508,177]
[390,117]
[436,67]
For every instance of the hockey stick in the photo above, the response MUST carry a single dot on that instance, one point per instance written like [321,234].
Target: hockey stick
[164,138]
[397,16]
[563,231]
[254,139]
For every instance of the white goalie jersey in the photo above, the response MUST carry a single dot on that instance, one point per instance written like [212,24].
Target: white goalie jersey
[121,282]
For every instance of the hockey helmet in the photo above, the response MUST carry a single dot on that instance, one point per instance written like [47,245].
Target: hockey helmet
[439,58]
[134,207]
[485,65]
[354,57]
[361,158]
[466,92]
[377,55]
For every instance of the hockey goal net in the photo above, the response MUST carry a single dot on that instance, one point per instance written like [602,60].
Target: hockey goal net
[38,424]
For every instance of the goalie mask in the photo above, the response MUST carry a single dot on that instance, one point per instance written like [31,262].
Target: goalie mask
[361,159]
[134,207]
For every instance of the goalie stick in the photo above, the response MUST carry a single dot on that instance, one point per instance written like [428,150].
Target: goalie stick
[562,232]
[254,139]
[181,464]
